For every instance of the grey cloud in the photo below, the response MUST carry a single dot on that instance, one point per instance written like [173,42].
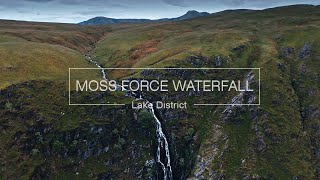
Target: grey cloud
[179,3]
[106,3]
[93,12]
[79,10]
[22,11]
[40,1]
[11,3]
[262,3]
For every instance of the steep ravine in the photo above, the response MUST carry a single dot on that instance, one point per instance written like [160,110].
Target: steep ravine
[298,63]
[163,144]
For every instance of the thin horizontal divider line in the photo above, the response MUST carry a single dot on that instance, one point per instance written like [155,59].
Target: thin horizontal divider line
[174,68]
[97,104]
[226,104]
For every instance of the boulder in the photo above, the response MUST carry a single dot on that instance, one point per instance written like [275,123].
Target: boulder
[305,51]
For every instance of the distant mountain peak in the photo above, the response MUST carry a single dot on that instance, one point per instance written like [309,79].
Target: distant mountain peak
[100,20]
[193,14]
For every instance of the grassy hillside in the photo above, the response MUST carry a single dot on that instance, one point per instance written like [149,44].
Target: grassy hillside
[162,44]
[276,143]
[43,137]
[79,38]
[42,51]
[37,61]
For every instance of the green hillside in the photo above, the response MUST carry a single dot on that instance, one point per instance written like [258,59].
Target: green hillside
[43,137]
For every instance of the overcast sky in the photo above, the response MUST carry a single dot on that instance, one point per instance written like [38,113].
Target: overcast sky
[74,11]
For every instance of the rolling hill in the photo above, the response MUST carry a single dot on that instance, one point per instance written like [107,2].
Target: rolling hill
[104,20]
[42,137]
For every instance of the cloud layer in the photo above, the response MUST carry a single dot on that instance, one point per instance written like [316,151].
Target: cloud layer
[73,11]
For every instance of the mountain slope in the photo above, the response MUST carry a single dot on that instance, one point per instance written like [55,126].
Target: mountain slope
[278,139]
[43,51]
[42,137]
[104,20]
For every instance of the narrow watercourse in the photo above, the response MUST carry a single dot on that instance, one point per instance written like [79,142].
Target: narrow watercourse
[161,137]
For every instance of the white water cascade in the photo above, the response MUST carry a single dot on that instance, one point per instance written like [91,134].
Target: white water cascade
[166,168]
[161,137]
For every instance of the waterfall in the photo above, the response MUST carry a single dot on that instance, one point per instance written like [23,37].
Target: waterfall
[103,72]
[161,137]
